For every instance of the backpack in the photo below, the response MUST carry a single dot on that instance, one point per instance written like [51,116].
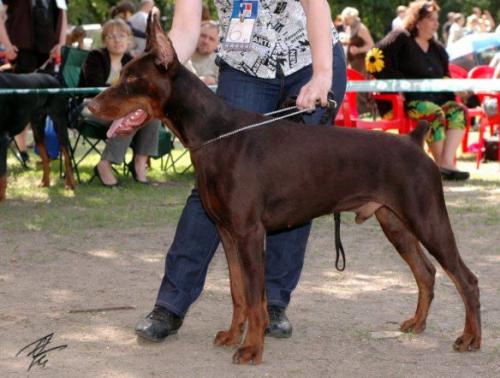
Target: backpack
[51,140]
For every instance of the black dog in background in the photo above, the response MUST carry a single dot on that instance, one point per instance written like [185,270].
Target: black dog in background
[17,110]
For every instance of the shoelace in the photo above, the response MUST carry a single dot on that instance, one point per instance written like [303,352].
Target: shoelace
[275,312]
[158,314]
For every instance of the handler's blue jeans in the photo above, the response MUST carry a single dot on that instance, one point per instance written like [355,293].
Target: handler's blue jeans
[196,237]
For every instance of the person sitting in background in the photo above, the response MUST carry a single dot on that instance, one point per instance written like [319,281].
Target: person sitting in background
[488,21]
[445,31]
[139,22]
[485,22]
[359,40]
[102,67]
[429,60]
[205,13]
[473,25]
[203,59]
[76,38]
[457,30]
[124,10]
[400,16]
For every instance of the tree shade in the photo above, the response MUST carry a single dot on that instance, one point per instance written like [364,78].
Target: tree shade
[376,15]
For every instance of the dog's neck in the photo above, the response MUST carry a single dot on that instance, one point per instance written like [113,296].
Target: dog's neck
[196,112]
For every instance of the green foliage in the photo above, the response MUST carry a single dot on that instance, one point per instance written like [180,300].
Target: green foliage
[377,15]
[97,11]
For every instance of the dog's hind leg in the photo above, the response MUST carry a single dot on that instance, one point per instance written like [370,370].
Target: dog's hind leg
[4,145]
[232,337]
[424,272]
[251,254]
[435,233]
[38,127]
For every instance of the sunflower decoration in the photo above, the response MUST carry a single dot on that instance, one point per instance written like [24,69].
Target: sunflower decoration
[374,61]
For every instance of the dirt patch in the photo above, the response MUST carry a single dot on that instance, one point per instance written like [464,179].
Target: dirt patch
[340,320]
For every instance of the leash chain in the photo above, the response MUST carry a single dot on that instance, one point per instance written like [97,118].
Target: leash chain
[254,125]
[332,104]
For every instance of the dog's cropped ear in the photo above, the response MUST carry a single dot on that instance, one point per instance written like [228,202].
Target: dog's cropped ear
[159,44]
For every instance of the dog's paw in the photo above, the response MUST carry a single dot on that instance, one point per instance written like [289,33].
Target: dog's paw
[250,354]
[227,338]
[44,184]
[413,325]
[70,184]
[467,343]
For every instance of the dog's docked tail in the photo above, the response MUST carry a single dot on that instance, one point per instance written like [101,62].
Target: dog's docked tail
[418,134]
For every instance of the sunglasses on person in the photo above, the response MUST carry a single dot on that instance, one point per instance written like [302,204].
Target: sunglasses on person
[116,37]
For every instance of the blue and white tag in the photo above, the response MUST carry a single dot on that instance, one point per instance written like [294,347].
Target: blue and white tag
[241,27]
[61,4]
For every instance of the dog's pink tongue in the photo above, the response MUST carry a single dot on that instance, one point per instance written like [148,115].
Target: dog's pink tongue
[127,124]
[114,127]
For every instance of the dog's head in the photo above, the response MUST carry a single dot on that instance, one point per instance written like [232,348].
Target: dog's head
[144,85]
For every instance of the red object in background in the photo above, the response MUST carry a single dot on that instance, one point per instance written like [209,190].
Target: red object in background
[493,120]
[348,115]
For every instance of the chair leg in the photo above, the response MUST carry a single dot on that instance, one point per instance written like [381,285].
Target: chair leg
[92,148]
[480,151]
[17,152]
[465,139]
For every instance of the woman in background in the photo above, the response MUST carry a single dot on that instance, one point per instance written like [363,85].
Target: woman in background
[102,68]
[416,43]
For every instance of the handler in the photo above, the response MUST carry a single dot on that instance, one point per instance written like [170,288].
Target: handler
[270,50]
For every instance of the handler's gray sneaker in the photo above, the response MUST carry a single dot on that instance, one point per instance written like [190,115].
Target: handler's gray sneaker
[279,325]
[159,324]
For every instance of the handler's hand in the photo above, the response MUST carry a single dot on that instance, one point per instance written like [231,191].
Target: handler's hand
[56,50]
[11,52]
[316,89]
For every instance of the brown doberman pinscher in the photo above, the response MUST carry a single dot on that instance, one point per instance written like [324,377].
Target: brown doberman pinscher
[247,189]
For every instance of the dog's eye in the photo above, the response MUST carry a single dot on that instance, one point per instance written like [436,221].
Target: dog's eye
[131,79]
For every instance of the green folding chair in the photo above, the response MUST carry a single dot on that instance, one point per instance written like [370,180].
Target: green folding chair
[89,133]
[165,151]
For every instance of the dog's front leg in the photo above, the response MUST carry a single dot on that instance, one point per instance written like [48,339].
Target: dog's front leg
[58,113]
[232,337]
[252,259]
[69,178]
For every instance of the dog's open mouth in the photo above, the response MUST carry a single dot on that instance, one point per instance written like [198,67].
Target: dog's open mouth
[126,124]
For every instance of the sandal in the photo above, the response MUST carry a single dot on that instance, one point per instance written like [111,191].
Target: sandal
[131,169]
[98,175]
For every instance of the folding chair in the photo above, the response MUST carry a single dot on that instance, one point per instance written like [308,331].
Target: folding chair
[350,116]
[166,146]
[16,151]
[457,72]
[493,120]
[90,133]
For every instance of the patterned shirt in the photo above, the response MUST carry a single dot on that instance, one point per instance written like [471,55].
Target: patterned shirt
[280,38]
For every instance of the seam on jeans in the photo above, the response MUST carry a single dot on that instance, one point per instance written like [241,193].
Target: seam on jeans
[213,245]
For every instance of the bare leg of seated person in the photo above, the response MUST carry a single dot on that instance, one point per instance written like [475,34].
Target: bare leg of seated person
[140,163]
[106,173]
[444,151]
